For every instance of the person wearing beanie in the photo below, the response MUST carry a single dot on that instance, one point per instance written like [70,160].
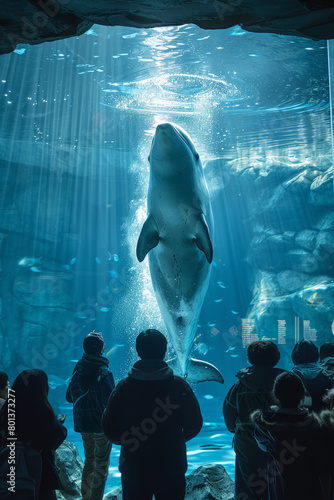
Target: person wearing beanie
[295,439]
[151,414]
[90,387]
[316,380]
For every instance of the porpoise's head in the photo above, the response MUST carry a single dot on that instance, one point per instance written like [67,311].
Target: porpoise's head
[170,143]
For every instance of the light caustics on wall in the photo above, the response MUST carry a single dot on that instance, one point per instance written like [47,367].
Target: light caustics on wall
[330,51]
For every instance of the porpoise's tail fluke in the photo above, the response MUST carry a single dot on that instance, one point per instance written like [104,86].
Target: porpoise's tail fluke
[197,371]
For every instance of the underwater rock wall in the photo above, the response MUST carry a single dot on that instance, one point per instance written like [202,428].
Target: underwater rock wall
[288,215]
[23,21]
[51,208]
[37,292]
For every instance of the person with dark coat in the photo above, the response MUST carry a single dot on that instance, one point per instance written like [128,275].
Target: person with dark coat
[151,414]
[90,387]
[326,355]
[252,391]
[294,438]
[316,381]
[327,472]
[37,426]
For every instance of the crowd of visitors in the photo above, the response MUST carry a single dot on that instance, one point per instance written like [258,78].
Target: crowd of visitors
[283,425]
[282,422]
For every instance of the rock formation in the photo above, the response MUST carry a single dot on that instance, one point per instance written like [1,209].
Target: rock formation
[287,215]
[209,482]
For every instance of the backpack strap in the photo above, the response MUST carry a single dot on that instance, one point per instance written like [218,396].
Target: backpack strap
[80,397]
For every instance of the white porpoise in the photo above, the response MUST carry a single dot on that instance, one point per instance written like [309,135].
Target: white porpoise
[177,235]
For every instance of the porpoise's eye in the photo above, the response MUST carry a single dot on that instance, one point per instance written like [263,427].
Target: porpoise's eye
[196,156]
[149,157]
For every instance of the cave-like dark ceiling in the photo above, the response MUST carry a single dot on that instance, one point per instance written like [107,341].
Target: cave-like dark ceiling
[37,21]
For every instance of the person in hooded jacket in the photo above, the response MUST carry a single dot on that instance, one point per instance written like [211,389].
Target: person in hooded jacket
[295,439]
[326,355]
[316,381]
[90,387]
[151,414]
[252,391]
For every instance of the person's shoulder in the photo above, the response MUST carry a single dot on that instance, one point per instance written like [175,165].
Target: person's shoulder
[179,380]
[180,384]
[105,371]
[123,384]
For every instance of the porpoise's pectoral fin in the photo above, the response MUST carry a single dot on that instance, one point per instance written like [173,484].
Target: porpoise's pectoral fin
[197,371]
[148,238]
[201,371]
[202,238]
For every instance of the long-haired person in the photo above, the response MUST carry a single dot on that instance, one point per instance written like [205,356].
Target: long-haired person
[36,425]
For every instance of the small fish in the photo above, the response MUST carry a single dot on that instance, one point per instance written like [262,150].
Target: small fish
[212,446]
[218,300]
[97,260]
[214,263]
[55,381]
[234,355]
[208,396]
[234,312]
[19,51]
[131,35]
[199,326]
[35,269]
[67,267]
[113,274]
[221,284]
[29,261]
[73,261]
[80,315]
[202,348]
[105,309]
[115,257]
[211,324]
[231,348]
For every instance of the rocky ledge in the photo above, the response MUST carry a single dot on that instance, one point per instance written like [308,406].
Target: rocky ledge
[210,481]
[33,22]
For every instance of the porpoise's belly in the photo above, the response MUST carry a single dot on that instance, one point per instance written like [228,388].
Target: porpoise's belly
[180,275]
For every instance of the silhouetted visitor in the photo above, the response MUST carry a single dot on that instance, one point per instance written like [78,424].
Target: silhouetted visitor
[326,355]
[293,437]
[151,414]
[305,357]
[91,385]
[252,391]
[36,425]
[4,386]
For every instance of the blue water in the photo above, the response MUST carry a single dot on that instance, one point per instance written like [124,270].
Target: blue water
[78,117]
